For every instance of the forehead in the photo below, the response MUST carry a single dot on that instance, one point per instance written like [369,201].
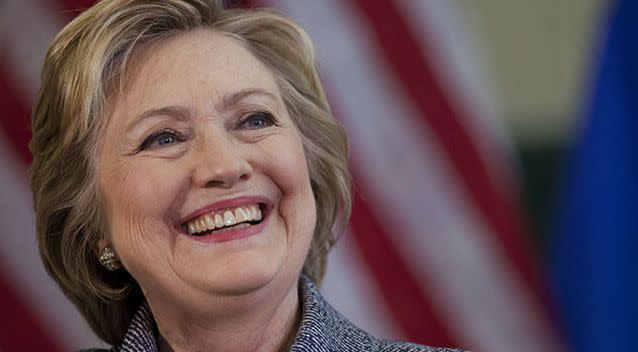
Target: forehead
[192,67]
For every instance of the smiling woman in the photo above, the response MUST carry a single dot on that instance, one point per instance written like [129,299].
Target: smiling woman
[187,178]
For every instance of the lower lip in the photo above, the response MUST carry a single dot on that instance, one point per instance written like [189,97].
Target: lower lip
[232,235]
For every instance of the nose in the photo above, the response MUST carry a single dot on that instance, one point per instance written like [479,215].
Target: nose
[221,164]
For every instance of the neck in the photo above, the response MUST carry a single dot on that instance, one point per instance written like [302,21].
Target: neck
[267,325]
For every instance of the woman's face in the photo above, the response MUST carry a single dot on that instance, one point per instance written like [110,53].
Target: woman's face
[200,139]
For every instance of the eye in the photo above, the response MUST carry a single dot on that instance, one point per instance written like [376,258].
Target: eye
[258,120]
[161,139]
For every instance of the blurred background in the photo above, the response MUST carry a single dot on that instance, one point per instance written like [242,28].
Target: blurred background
[495,161]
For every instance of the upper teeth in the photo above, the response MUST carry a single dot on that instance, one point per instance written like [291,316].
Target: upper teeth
[224,218]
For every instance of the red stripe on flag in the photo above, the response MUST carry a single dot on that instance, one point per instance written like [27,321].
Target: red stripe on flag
[72,8]
[398,46]
[399,288]
[20,330]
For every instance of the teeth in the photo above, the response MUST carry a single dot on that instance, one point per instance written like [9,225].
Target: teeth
[210,223]
[229,217]
[240,215]
[249,214]
[219,222]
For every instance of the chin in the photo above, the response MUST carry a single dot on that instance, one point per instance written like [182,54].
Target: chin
[249,279]
[240,273]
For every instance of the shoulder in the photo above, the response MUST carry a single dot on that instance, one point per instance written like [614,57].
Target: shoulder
[323,329]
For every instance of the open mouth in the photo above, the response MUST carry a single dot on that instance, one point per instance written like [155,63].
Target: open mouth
[223,220]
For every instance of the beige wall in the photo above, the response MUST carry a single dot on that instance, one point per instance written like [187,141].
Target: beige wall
[539,52]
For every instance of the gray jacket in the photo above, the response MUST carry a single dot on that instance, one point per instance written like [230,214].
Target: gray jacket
[322,329]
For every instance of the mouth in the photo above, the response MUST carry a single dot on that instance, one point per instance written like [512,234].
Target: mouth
[226,219]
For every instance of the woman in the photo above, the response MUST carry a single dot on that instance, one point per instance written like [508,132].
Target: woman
[187,177]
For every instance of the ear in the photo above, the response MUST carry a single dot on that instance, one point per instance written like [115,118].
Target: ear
[102,243]
[99,246]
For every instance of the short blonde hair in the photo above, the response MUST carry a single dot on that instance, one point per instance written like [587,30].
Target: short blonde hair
[86,65]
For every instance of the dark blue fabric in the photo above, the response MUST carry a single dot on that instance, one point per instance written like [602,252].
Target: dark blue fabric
[594,254]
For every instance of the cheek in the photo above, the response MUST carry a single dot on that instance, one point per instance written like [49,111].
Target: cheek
[135,209]
[289,171]
[288,164]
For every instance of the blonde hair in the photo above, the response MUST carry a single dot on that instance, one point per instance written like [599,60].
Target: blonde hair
[85,66]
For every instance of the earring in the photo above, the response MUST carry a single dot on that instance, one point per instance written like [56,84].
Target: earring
[108,260]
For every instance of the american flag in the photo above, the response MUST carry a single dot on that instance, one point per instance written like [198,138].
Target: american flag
[437,249]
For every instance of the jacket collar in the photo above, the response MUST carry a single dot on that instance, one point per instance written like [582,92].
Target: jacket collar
[319,328]
[140,336]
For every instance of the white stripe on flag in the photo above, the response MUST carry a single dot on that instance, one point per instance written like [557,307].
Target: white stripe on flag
[349,288]
[460,65]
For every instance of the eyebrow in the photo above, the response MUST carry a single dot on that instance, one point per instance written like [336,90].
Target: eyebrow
[177,112]
[230,100]
[182,113]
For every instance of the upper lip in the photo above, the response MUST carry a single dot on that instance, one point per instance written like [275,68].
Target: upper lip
[226,204]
